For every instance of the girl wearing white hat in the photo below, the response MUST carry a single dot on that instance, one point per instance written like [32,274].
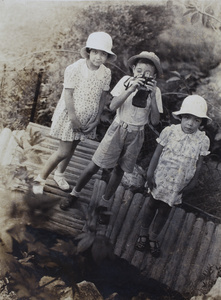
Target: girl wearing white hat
[86,83]
[174,169]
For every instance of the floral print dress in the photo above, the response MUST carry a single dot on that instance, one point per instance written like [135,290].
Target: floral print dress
[87,86]
[177,163]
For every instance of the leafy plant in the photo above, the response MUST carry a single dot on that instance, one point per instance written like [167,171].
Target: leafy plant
[200,10]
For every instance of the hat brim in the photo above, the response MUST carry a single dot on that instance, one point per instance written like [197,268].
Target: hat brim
[132,60]
[178,113]
[111,57]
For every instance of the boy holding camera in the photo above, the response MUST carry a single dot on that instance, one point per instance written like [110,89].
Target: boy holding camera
[137,101]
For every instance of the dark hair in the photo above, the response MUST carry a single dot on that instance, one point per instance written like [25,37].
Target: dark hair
[145,61]
[203,122]
[88,50]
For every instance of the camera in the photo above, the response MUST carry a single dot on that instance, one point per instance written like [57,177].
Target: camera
[140,98]
[147,80]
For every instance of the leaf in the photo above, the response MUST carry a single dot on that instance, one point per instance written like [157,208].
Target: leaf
[173,79]
[188,76]
[66,248]
[195,18]
[189,11]
[175,73]
[85,243]
[39,248]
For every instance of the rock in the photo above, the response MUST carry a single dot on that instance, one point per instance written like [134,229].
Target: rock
[57,287]
[134,180]
[87,290]
[214,293]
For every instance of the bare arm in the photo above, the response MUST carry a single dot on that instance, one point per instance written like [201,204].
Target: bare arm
[119,100]
[152,166]
[68,95]
[154,112]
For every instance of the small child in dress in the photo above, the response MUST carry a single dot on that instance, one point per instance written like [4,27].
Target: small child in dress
[86,84]
[174,169]
[124,138]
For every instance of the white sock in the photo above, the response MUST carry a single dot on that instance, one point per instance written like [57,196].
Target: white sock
[104,202]
[57,173]
[75,193]
[40,180]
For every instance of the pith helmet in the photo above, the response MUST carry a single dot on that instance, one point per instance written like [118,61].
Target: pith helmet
[194,105]
[99,41]
[148,55]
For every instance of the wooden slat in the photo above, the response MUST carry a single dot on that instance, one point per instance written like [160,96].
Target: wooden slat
[179,250]
[202,250]
[125,203]
[128,224]
[169,236]
[188,258]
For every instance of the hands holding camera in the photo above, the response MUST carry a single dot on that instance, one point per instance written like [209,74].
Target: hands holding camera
[142,82]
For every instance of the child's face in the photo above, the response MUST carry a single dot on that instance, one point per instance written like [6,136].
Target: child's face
[190,123]
[142,69]
[97,58]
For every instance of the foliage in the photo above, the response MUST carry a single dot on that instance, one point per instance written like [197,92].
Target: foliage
[204,11]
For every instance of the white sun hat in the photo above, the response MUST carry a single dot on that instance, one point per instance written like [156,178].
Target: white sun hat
[193,105]
[99,41]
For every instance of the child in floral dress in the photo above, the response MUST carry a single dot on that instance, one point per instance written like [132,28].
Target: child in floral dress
[174,169]
[86,84]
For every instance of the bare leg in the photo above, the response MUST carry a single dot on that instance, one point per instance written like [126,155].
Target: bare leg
[148,216]
[160,220]
[114,182]
[86,175]
[64,163]
[62,153]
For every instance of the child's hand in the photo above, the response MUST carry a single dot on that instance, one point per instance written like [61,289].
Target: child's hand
[151,182]
[89,127]
[151,86]
[136,83]
[76,124]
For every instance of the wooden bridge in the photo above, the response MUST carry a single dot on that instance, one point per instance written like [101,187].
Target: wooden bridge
[190,241]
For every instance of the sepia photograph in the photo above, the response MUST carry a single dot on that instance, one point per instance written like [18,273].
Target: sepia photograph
[110,150]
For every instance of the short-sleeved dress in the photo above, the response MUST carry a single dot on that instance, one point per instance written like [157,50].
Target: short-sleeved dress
[177,163]
[87,88]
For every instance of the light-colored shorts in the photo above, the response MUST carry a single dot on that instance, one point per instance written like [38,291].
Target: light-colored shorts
[119,146]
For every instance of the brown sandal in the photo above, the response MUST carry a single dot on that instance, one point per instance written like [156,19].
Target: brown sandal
[67,203]
[103,215]
[142,243]
[154,248]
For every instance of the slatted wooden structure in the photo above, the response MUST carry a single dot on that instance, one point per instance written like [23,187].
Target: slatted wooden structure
[190,241]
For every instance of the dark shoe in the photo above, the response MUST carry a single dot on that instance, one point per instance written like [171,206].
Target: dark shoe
[67,203]
[103,215]
[154,248]
[142,243]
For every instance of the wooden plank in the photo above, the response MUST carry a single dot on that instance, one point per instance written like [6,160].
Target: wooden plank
[168,239]
[181,281]
[128,224]
[213,258]
[125,203]
[134,233]
[173,267]
[201,253]
[115,207]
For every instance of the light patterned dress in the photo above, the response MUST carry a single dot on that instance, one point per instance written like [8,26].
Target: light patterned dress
[177,163]
[87,86]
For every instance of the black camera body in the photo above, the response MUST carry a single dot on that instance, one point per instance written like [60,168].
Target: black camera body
[140,98]
[147,80]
